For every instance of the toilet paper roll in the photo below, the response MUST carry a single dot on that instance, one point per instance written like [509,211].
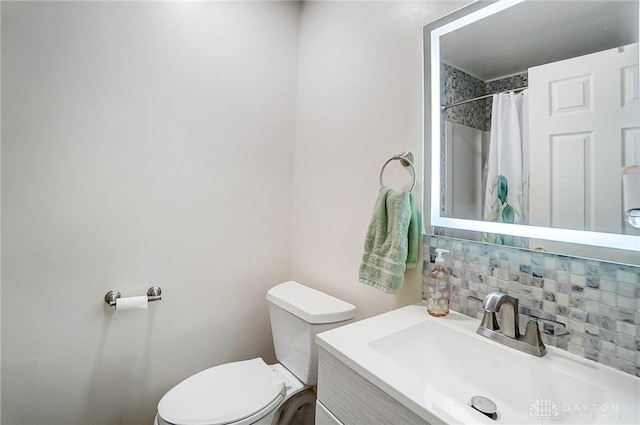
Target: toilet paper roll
[132,303]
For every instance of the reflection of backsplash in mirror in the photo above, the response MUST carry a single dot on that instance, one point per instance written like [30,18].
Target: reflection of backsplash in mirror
[598,301]
[457,85]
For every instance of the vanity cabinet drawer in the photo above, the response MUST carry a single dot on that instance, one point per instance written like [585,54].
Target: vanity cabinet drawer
[324,417]
[355,401]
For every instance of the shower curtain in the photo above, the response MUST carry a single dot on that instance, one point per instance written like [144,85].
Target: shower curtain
[507,169]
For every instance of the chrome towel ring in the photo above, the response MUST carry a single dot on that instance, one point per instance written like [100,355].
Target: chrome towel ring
[406,159]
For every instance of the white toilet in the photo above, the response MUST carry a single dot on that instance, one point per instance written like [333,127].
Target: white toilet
[252,392]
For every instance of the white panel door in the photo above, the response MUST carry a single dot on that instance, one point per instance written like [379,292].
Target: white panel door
[584,126]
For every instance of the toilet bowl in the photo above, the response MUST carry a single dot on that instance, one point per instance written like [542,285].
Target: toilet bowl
[252,392]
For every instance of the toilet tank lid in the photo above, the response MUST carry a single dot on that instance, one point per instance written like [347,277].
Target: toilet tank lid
[312,306]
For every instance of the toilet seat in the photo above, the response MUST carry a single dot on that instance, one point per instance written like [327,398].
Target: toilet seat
[235,392]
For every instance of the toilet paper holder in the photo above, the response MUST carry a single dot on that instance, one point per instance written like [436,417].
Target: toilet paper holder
[153,294]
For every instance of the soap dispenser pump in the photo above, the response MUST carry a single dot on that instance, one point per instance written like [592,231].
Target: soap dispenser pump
[438,289]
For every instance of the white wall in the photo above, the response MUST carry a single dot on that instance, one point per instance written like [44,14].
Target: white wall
[141,143]
[359,102]
[154,143]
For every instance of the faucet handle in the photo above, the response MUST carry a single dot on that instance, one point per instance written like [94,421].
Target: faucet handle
[532,337]
[553,323]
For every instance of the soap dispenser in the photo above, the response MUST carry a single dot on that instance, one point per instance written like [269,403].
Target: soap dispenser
[438,289]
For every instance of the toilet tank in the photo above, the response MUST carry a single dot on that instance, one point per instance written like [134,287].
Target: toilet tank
[297,314]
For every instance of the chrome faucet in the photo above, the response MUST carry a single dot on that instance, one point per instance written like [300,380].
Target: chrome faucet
[507,332]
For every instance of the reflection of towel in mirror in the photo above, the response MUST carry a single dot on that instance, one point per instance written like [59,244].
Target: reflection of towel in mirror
[506,195]
[392,241]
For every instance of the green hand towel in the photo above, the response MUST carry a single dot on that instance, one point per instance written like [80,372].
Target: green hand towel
[392,241]
[413,237]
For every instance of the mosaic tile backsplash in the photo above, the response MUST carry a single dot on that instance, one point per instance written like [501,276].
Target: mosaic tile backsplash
[596,304]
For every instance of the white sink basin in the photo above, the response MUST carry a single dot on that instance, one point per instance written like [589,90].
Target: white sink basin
[435,365]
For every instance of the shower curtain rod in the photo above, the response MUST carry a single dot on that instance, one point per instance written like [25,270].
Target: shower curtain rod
[451,105]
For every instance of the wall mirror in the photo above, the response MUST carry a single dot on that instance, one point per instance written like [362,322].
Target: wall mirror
[532,122]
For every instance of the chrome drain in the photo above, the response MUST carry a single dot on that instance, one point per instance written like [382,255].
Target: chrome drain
[485,406]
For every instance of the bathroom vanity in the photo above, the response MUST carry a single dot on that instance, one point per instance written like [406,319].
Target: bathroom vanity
[407,367]
[346,397]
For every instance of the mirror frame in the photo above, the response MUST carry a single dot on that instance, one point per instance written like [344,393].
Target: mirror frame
[432,115]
